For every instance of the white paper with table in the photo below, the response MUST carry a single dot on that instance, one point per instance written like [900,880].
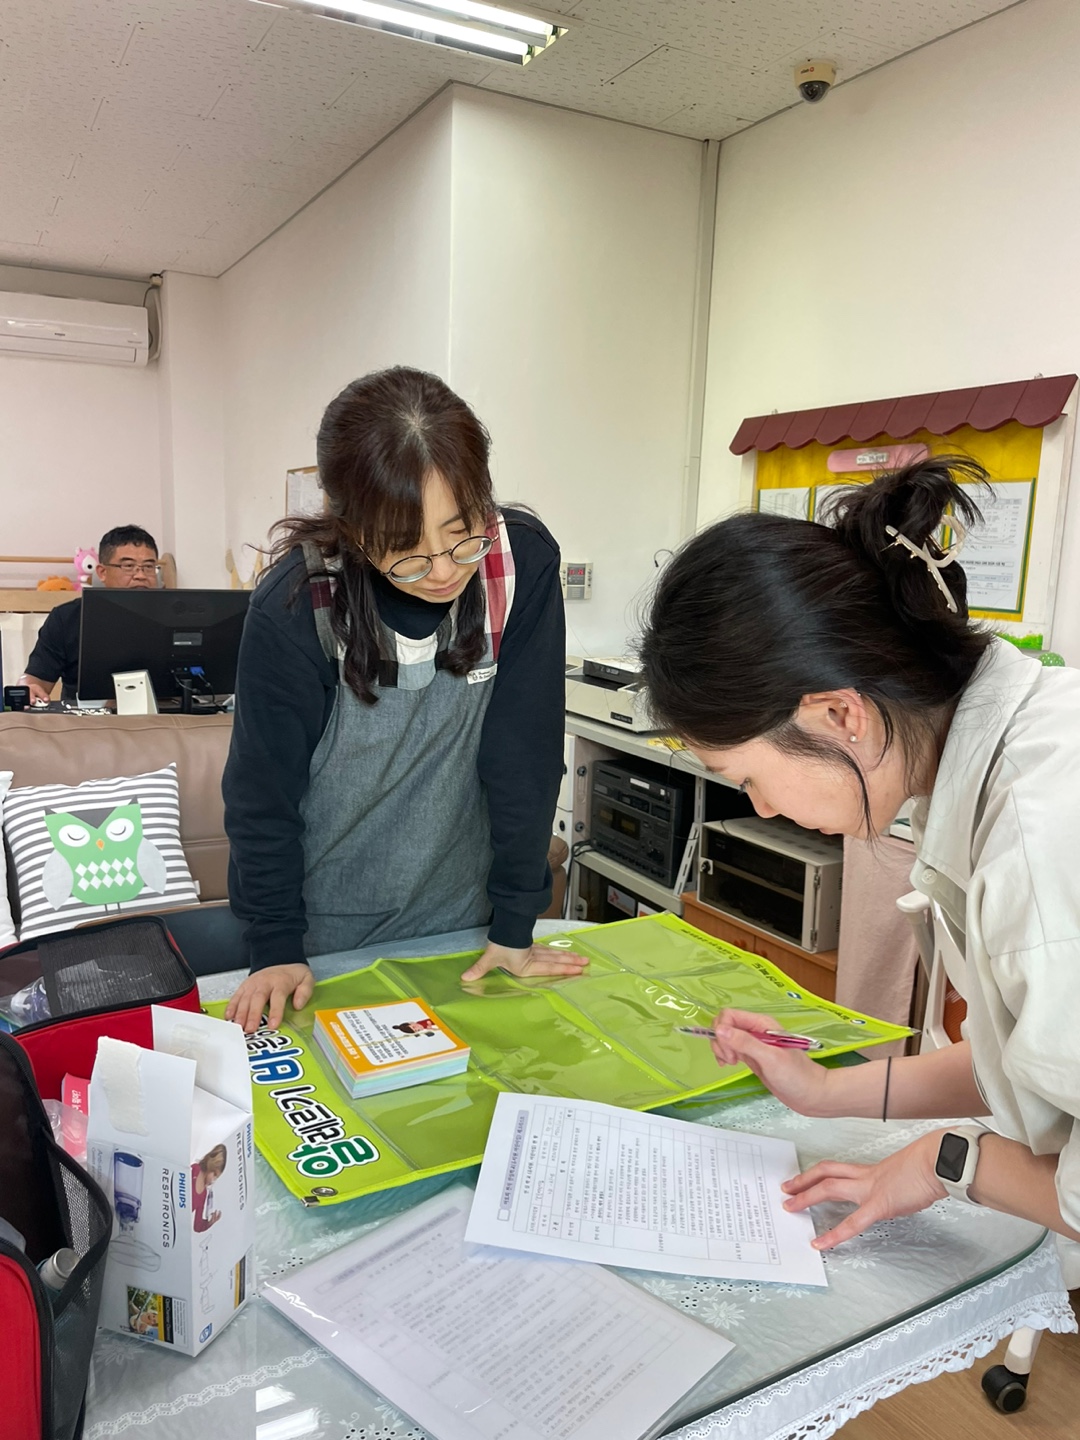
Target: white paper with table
[585,1181]
[496,1347]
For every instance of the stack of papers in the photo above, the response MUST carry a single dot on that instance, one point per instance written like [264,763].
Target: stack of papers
[376,1048]
[469,1314]
[580,1181]
[496,1347]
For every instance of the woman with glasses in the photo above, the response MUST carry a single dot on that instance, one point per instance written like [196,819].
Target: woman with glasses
[397,745]
[127,560]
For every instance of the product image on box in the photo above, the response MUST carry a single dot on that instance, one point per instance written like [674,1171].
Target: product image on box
[150,1315]
[379,1048]
[126,1249]
[169,1138]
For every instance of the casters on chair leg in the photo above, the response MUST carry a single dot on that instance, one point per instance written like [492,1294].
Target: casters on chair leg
[1005,1390]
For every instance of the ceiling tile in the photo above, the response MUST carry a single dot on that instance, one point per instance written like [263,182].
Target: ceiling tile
[577,71]
[905,26]
[744,33]
[144,134]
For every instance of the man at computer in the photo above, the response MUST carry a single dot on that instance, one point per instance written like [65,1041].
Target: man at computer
[127,560]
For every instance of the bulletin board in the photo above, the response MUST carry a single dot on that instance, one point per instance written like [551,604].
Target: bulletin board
[304,495]
[1011,558]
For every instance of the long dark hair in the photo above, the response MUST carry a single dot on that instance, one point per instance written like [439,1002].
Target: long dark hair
[760,610]
[378,442]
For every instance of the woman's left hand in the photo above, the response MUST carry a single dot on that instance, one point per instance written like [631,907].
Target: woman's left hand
[534,960]
[900,1185]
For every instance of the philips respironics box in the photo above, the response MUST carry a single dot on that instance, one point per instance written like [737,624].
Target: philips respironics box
[169,1138]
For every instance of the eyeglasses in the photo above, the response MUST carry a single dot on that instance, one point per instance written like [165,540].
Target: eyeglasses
[132,567]
[415,567]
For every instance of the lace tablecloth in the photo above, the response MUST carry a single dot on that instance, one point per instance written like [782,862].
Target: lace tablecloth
[908,1300]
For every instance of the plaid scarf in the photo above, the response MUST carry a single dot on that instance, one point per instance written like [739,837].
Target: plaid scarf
[411,664]
[497,576]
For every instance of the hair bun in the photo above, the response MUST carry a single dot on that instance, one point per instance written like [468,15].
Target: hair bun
[900,514]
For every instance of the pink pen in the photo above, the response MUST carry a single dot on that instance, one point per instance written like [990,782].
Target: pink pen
[782,1039]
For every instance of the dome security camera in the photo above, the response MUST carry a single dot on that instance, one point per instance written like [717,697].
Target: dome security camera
[815,79]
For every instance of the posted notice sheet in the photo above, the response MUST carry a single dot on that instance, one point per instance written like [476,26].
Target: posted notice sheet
[995,552]
[594,1182]
[495,1347]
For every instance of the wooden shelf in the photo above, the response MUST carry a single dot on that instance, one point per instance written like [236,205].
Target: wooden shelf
[14,601]
[630,742]
[620,874]
[816,973]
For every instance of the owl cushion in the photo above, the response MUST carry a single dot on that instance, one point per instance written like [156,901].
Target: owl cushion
[105,847]
[7,925]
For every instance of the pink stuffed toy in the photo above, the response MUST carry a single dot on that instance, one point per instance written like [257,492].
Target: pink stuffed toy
[85,563]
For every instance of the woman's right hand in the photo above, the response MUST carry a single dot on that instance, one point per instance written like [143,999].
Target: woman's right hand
[796,1080]
[269,990]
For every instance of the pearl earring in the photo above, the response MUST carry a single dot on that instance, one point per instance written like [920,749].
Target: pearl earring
[854,739]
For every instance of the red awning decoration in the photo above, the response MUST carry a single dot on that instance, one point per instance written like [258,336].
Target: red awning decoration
[984,407]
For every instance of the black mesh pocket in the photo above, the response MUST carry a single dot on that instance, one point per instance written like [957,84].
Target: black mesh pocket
[75,1309]
[103,967]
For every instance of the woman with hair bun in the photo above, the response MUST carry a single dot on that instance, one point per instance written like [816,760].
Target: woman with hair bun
[397,746]
[832,672]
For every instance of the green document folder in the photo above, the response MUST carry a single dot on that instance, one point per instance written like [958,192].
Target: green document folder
[608,1035]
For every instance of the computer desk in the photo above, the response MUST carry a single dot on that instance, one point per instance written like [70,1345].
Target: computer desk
[908,1300]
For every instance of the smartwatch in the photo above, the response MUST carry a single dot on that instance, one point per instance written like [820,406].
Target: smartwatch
[957,1160]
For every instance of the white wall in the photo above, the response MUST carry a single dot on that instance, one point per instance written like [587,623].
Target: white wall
[78,443]
[29,280]
[357,281]
[78,455]
[543,263]
[574,252]
[87,447]
[192,430]
[918,230]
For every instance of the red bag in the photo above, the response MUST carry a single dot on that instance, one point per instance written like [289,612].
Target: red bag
[46,1335]
[22,1335]
[78,985]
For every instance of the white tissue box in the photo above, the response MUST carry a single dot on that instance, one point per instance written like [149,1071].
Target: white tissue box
[169,1138]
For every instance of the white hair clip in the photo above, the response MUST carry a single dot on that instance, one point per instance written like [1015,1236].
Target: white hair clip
[934,564]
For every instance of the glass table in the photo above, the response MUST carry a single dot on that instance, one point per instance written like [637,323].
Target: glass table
[907,1300]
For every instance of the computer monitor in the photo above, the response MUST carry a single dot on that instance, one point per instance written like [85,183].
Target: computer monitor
[188,640]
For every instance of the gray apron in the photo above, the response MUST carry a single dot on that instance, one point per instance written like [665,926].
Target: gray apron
[397,841]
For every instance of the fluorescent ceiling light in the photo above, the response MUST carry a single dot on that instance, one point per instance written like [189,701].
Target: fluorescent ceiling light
[491,15]
[468,25]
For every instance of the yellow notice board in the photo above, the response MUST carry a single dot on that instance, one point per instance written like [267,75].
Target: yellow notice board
[996,555]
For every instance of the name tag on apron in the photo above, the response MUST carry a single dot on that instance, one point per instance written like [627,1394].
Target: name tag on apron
[477,677]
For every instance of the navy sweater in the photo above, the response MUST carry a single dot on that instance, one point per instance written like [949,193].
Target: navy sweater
[285,690]
[56,654]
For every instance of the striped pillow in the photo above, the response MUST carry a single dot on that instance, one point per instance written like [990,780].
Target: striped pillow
[7,925]
[104,847]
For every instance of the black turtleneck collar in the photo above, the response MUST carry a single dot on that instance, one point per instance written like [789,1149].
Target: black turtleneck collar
[410,615]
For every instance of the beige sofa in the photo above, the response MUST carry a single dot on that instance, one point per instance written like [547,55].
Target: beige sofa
[67,749]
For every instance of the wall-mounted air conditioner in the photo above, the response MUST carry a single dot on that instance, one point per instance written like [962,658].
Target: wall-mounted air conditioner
[86,330]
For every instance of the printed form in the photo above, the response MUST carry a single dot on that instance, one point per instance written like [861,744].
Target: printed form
[584,1181]
[496,1347]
